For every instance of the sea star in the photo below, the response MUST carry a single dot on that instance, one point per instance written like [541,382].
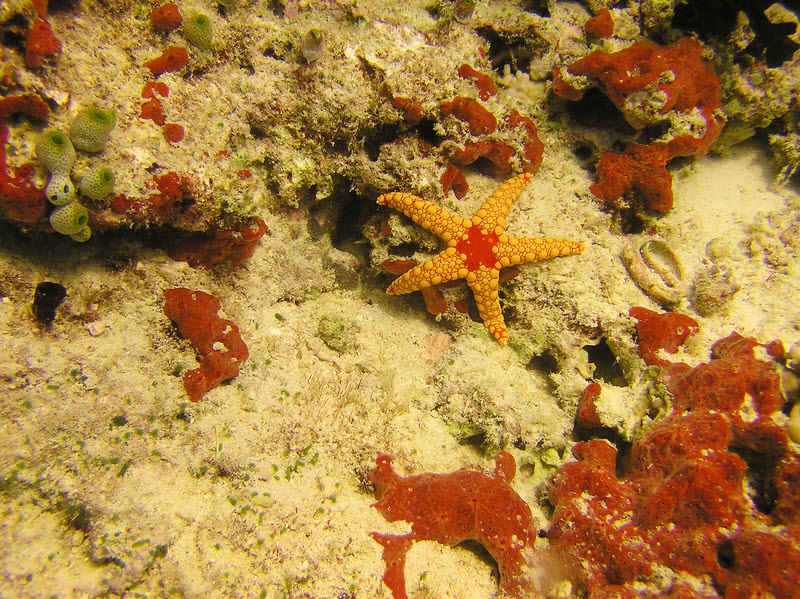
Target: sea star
[477,248]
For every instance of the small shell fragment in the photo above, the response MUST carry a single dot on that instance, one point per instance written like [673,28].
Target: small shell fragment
[654,268]
[463,9]
[312,45]
[793,424]
[713,291]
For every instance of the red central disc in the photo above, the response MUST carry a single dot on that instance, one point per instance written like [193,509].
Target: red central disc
[478,249]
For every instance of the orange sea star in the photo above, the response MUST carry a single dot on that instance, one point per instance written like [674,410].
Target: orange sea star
[477,248]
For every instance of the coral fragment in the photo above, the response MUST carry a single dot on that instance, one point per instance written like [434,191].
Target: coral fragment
[656,270]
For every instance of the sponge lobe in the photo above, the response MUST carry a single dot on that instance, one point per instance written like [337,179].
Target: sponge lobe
[55,151]
[69,219]
[91,127]
[97,183]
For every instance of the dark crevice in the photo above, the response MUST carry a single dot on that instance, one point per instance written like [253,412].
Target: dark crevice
[482,554]
[426,130]
[515,51]
[606,365]
[537,7]
[60,6]
[543,362]
[404,250]
[761,471]
[629,222]
[595,109]
[726,557]
[583,153]
[354,210]
[716,19]
[14,33]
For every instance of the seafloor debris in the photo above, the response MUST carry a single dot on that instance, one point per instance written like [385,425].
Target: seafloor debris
[46,298]
[713,290]
[656,269]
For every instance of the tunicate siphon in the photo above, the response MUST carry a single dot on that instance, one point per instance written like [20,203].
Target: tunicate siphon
[654,268]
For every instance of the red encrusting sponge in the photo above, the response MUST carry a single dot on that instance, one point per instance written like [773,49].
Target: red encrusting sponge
[195,315]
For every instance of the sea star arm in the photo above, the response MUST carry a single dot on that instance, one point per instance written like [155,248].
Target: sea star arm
[445,266]
[494,210]
[528,249]
[434,218]
[483,283]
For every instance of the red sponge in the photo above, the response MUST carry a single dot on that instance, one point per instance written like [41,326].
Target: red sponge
[195,314]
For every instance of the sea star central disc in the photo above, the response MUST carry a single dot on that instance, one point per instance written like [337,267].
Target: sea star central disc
[479,247]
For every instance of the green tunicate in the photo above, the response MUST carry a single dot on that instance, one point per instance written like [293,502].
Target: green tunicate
[97,183]
[91,127]
[69,219]
[82,235]
[55,151]
[60,190]
[197,30]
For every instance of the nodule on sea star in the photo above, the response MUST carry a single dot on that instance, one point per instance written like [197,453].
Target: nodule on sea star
[477,248]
